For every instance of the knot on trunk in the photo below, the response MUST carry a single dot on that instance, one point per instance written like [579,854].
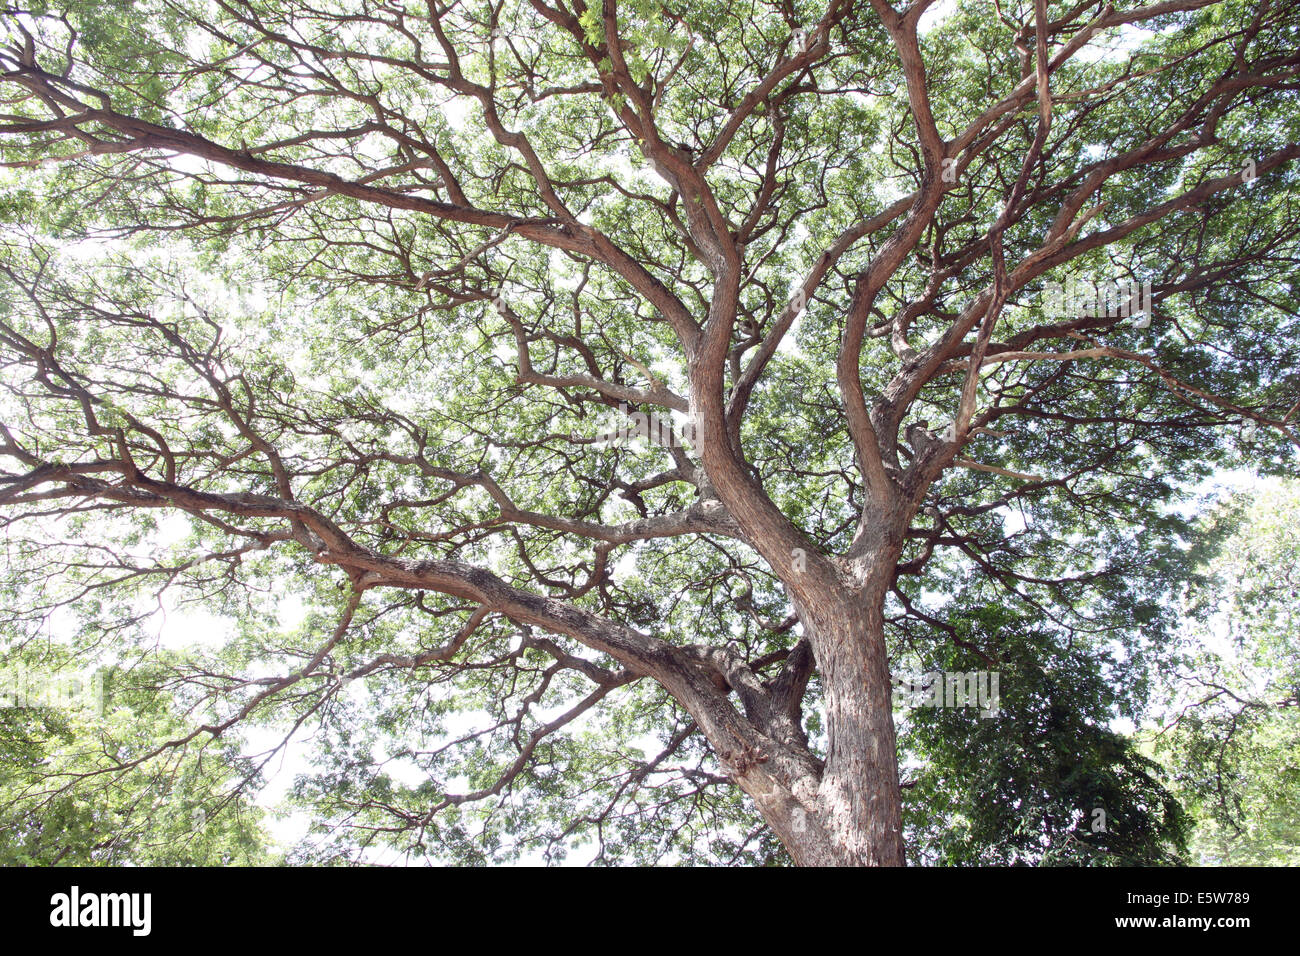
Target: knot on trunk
[740,762]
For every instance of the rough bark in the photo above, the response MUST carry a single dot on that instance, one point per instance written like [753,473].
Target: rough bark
[859,795]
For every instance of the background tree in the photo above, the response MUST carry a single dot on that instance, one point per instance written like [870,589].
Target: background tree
[1049,782]
[1231,729]
[75,790]
[406,308]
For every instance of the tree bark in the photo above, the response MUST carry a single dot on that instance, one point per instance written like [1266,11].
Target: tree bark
[859,803]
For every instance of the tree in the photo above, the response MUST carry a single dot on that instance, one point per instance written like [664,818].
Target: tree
[76,792]
[1049,782]
[1232,730]
[631,382]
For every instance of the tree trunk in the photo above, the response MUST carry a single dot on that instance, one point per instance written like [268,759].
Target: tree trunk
[851,814]
[859,803]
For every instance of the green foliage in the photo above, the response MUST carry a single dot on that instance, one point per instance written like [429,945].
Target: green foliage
[78,787]
[1231,730]
[1026,785]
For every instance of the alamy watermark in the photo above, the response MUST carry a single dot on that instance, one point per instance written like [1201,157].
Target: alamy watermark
[24,688]
[950,689]
[77,909]
[624,426]
[1108,298]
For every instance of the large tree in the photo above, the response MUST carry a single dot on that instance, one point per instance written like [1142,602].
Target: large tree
[634,384]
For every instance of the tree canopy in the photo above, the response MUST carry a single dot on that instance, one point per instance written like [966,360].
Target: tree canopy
[567,418]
